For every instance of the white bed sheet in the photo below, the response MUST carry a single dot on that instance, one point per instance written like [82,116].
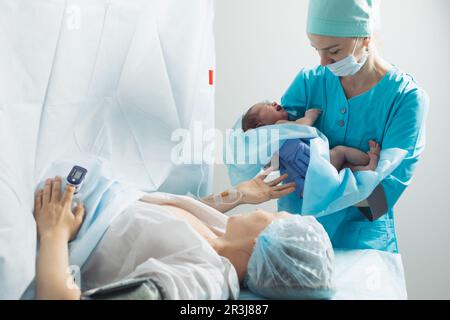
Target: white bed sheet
[363,275]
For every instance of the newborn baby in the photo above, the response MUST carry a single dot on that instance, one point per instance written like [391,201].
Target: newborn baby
[263,114]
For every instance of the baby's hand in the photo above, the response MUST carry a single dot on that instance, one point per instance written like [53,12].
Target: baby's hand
[313,114]
[310,117]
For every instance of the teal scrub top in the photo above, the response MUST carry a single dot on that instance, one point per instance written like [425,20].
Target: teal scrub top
[392,113]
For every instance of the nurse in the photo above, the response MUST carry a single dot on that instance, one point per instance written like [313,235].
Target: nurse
[363,98]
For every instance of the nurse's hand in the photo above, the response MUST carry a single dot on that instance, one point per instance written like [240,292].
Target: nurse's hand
[258,191]
[53,211]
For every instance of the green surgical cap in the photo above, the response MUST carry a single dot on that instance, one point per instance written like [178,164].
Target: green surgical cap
[342,18]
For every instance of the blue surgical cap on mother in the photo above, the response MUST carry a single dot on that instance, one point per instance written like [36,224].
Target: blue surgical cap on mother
[292,259]
[342,18]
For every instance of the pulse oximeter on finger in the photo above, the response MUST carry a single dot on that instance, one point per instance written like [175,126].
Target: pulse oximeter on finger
[76,177]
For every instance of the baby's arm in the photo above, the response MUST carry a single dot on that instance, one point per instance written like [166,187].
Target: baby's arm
[308,120]
[310,117]
[285,121]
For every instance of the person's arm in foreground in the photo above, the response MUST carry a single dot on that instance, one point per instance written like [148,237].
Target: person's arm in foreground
[56,225]
[255,191]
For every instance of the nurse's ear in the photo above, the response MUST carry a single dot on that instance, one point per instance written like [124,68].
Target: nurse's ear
[367,43]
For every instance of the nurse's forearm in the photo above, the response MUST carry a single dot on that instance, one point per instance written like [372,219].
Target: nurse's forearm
[53,280]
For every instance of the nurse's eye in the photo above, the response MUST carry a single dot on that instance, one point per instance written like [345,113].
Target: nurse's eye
[335,52]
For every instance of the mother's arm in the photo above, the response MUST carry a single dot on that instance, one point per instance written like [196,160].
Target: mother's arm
[255,191]
[56,225]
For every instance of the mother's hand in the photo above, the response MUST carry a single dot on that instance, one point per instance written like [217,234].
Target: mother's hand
[258,191]
[53,211]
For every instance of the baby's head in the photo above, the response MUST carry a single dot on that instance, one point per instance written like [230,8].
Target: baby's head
[263,114]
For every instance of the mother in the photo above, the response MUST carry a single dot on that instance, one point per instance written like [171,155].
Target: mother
[363,97]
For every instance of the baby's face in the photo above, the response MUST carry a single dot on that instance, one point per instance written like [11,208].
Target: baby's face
[270,113]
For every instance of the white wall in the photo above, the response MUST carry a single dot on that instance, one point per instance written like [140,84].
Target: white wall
[261,45]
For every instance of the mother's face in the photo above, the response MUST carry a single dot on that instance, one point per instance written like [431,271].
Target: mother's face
[333,49]
[241,234]
[247,227]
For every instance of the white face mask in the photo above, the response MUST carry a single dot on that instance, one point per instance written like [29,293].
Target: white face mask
[348,66]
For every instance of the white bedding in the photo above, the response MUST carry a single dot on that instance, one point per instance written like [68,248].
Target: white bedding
[364,275]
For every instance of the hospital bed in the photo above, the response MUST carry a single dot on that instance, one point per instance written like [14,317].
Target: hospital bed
[88,77]
[363,275]
[359,275]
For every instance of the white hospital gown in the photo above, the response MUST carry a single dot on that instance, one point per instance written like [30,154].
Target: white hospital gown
[148,240]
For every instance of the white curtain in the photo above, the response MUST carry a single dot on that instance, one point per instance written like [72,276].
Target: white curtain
[109,78]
